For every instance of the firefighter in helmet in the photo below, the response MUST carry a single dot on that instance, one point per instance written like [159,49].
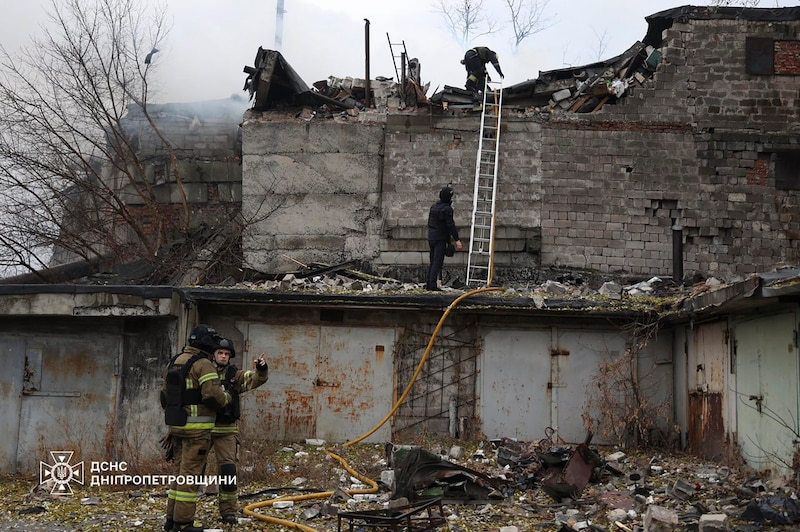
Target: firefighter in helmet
[225,434]
[191,396]
[475,60]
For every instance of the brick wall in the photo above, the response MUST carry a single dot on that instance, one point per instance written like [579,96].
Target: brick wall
[696,147]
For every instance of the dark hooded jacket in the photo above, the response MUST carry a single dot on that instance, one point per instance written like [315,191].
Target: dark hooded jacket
[440,218]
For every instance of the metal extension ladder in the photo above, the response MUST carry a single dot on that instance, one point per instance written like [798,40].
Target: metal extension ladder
[480,266]
[399,59]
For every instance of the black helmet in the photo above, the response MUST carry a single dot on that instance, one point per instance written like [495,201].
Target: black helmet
[204,338]
[446,194]
[224,343]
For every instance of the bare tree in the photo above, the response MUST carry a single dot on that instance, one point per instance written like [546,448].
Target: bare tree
[527,18]
[83,160]
[622,402]
[601,43]
[465,19]
[65,155]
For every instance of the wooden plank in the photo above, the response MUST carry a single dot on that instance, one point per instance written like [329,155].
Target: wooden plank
[579,102]
[601,104]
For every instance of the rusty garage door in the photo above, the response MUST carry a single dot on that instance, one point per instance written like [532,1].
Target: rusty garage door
[535,379]
[60,393]
[708,378]
[332,383]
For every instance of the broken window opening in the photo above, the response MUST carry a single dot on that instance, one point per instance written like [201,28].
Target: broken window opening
[787,170]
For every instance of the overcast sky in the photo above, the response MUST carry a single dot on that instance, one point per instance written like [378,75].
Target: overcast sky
[212,40]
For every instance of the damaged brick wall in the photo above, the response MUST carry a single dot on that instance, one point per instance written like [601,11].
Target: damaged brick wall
[423,154]
[703,146]
[203,136]
[698,148]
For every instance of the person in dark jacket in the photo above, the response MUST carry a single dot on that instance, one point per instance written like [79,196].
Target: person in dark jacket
[441,228]
[474,61]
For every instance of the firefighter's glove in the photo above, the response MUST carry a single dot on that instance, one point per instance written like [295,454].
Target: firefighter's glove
[261,364]
[166,444]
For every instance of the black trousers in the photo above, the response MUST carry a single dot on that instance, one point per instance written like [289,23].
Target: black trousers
[437,262]
[476,71]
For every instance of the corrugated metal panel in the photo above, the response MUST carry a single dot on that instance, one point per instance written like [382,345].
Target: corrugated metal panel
[767,389]
[69,396]
[333,383]
[585,350]
[515,371]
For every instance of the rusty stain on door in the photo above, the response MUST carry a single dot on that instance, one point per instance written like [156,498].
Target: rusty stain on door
[707,379]
[325,382]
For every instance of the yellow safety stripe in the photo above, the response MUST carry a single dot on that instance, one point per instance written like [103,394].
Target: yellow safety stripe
[231,496]
[185,496]
[233,429]
[191,426]
[189,383]
[208,377]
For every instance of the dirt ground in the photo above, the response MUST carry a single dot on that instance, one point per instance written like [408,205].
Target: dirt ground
[616,499]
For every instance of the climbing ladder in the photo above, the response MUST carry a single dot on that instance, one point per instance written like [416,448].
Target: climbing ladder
[480,265]
[399,59]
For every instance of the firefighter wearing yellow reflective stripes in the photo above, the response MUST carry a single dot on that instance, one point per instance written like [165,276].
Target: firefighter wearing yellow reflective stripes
[191,396]
[225,435]
[474,61]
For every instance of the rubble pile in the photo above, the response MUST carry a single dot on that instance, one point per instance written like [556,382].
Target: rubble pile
[499,485]
[345,280]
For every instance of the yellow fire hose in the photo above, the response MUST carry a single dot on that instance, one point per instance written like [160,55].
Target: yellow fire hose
[249,509]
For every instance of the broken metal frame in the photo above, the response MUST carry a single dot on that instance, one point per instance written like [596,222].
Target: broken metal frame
[401,72]
[405,518]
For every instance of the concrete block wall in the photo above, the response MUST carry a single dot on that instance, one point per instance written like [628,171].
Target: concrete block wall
[425,153]
[189,174]
[312,193]
[695,147]
[611,194]
[203,137]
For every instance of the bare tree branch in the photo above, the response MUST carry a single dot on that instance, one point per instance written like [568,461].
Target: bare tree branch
[465,20]
[527,18]
[65,153]
[601,43]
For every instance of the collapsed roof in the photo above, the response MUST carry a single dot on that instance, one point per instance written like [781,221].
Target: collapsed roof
[580,89]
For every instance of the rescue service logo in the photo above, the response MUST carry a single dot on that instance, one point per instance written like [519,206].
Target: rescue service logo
[60,473]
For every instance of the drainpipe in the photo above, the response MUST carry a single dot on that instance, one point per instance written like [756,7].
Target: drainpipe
[367,98]
[677,253]
[453,411]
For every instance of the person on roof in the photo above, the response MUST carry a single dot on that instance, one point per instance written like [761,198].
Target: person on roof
[441,228]
[474,61]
